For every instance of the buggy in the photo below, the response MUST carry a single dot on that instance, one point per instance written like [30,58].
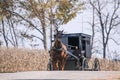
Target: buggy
[78,62]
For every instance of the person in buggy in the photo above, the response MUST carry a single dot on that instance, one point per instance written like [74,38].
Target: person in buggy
[80,54]
[77,52]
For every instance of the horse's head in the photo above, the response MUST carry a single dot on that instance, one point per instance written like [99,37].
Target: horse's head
[59,34]
[58,44]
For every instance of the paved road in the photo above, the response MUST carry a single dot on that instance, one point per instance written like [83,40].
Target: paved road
[62,75]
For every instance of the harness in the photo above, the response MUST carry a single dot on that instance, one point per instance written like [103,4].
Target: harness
[57,50]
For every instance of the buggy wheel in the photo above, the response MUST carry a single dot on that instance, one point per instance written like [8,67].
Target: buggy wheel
[84,64]
[96,65]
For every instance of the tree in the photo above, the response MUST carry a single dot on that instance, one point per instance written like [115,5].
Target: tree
[108,19]
[48,12]
[64,12]
[11,21]
[4,5]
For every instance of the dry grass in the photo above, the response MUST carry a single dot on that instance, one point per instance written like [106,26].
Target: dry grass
[16,60]
[107,65]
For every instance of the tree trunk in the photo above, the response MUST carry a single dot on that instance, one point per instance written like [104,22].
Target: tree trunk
[104,51]
[4,36]
[14,33]
[44,39]
[44,30]
[93,29]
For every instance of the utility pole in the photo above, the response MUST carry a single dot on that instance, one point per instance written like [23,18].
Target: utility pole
[52,22]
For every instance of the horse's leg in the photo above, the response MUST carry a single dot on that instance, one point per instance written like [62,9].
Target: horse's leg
[62,65]
[55,65]
[63,61]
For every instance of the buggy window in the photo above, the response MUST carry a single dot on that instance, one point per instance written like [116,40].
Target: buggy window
[73,41]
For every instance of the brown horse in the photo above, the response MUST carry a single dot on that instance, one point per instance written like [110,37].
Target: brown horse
[58,53]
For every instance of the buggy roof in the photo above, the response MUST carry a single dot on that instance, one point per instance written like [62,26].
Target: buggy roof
[77,34]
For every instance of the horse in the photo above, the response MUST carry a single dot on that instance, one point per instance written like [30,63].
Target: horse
[58,53]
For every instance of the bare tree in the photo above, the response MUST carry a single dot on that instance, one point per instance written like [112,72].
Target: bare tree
[7,28]
[12,33]
[93,28]
[108,19]
[4,14]
[4,33]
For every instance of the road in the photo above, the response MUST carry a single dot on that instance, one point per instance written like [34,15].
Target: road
[62,75]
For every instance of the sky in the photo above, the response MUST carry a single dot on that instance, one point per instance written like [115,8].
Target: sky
[78,25]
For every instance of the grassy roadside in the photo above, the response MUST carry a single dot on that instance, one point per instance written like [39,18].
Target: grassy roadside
[106,65]
[17,60]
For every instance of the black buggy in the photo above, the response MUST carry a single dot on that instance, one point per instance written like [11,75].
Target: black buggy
[79,52]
